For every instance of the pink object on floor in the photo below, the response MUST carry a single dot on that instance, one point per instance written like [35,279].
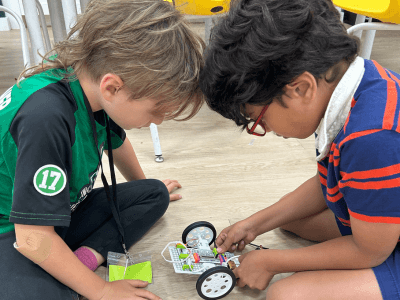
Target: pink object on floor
[87,258]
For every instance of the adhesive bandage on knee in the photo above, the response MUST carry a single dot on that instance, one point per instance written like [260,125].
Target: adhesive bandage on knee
[36,247]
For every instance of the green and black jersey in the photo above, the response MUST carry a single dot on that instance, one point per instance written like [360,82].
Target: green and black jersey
[48,159]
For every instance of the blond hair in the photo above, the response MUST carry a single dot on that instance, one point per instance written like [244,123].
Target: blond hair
[147,43]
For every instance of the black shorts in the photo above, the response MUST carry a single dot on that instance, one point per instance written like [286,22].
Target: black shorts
[141,204]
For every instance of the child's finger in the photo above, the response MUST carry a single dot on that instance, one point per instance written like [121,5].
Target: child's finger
[147,295]
[137,283]
[236,274]
[225,245]
[220,238]
[173,180]
[241,257]
[239,282]
[175,184]
[174,197]
[171,184]
[241,245]
[167,181]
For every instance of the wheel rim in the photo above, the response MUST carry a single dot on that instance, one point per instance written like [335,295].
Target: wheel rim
[202,232]
[216,285]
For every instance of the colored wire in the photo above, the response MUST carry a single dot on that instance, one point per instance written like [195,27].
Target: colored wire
[233,258]
[176,261]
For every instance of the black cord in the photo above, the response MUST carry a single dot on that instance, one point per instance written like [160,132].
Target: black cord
[258,247]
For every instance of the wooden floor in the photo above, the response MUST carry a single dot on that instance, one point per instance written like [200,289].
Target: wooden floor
[226,176]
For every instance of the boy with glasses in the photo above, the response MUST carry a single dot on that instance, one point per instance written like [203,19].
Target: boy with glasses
[289,67]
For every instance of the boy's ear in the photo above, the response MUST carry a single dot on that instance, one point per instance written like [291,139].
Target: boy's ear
[304,87]
[110,84]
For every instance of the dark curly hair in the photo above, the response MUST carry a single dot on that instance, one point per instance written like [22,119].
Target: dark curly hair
[263,45]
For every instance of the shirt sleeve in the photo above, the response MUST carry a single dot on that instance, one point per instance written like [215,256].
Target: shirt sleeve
[370,176]
[43,131]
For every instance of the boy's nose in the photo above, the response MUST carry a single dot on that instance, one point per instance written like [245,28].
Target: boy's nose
[267,129]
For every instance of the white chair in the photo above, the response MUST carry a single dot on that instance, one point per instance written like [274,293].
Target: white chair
[370,28]
[383,10]
[24,37]
[59,11]
[24,40]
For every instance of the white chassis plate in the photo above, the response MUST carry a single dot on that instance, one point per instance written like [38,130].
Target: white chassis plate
[198,268]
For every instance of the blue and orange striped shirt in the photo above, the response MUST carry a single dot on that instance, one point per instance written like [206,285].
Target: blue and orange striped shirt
[360,176]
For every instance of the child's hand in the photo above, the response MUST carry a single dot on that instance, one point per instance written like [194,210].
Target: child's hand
[253,271]
[127,289]
[235,237]
[171,185]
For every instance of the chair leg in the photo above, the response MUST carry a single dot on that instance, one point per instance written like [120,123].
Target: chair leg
[208,24]
[360,19]
[24,36]
[44,26]
[366,47]
[57,20]
[84,3]
[371,26]
[341,12]
[35,34]
[70,13]
[156,143]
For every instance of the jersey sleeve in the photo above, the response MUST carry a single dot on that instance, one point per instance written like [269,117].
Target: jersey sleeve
[370,175]
[43,131]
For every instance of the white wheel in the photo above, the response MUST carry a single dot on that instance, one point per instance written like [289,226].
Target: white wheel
[215,283]
[201,229]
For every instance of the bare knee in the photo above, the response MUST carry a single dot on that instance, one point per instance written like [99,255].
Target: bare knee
[319,227]
[283,290]
[275,292]
[297,228]
[291,227]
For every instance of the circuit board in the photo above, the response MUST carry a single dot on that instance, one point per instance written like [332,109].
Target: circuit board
[207,260]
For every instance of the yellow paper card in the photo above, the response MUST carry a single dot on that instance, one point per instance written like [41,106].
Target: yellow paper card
[140,271]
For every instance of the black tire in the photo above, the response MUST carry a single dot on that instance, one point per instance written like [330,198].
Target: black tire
[221,280]
[199,225]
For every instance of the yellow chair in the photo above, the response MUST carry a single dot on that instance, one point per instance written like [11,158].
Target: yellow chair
[387,11]
[384,10]
[201,7]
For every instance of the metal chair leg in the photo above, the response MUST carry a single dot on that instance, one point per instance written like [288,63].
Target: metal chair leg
[366,48]
[70,13]
[24,36]
[44,26]
[156,143]
[57,20]
[33,24]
